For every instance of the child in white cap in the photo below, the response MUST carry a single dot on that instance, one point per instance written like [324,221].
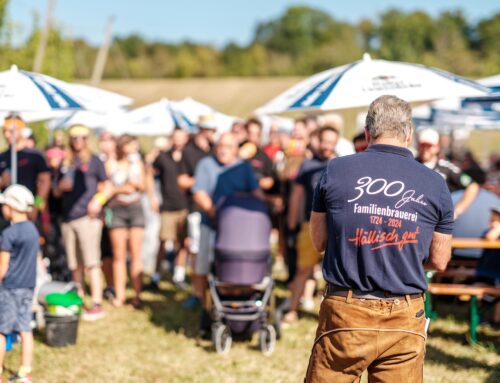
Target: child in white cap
[18,259]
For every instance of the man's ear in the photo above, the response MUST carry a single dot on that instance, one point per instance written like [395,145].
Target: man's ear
[409,138]
[367,136]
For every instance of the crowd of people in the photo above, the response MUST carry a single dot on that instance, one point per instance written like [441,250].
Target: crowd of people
[88,207]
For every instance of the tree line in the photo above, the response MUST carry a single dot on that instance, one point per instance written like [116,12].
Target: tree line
[302,41]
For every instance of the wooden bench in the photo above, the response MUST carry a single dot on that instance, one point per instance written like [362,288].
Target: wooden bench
[467,293]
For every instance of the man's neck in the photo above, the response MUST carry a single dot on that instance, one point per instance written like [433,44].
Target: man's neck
[202,142]
[20,145]
[389,141]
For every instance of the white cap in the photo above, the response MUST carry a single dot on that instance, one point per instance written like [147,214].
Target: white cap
[18,197]
[428,136]
[207,121]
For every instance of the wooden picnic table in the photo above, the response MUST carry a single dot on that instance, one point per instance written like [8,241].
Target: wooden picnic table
[469,293]
[474,243]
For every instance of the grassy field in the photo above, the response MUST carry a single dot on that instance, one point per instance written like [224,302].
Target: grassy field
[159,344]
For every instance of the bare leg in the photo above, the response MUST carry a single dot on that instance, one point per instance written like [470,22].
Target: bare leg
[94,275]
[3,345]
[181,259]
[107,270]
[496,313]
[309,289]
[77,276]
[296,290]
[199,286]
[27,346]
[119,242]
[160,256]
[136,236]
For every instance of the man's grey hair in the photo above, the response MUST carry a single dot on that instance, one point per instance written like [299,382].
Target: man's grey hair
[389,117]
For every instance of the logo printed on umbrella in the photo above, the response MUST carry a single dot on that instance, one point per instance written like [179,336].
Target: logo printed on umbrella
[388,82]
[56,98]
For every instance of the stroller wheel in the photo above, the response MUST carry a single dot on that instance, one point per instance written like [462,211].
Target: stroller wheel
[221,338]
[267,340]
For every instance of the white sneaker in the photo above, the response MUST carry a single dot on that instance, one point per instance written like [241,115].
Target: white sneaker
[307,304]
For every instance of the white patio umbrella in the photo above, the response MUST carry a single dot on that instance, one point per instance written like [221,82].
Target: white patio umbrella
[22,91]
[101,105]
[157,118]
[357,84]
[193,109]
[470,112]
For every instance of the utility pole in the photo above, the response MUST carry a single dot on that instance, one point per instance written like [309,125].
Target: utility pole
[44,37]
[102,55]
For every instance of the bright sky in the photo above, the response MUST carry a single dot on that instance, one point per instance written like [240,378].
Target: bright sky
[210,21]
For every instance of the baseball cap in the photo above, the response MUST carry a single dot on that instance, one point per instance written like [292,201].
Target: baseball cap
[10,121]
[18,197]
[428,136]
[207,121]
[78,131]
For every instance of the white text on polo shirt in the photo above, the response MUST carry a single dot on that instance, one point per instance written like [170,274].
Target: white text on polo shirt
[389,189]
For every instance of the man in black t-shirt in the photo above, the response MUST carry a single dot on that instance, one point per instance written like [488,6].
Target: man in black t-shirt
[174,206]
[32,169]
[456,179]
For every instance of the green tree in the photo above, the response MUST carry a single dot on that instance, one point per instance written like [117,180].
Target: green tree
[298,31]
[405,37]
[451,44]
[488,36]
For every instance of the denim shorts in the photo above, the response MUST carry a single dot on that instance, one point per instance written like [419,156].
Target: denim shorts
[15,310]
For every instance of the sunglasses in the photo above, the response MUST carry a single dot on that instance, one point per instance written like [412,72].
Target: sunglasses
[74,138]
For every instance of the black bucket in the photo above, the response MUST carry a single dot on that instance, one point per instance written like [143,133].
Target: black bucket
[61,331]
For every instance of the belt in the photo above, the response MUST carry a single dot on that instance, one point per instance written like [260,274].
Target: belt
[332,290]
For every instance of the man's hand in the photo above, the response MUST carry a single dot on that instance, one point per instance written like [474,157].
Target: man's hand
[65,184]
[5,178]
[4,263]
[94,208]
[155,204]
[126,189]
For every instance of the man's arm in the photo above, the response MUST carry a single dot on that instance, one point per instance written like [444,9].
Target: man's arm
[440,251]
[4,263]
[150,188]
[318,230]
[470,194]
[43,187]
[203,200]
[294,204]
[185,182]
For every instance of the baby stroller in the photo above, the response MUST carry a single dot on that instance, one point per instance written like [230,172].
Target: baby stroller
[241,288]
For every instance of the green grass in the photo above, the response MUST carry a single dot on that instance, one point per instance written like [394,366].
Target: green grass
[159,344]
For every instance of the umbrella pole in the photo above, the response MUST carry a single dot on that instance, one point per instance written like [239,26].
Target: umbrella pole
[13,152]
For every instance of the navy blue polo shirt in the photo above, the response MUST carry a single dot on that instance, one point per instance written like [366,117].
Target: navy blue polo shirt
[382,208]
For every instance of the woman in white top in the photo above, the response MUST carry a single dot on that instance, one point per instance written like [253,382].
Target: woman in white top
[127,219]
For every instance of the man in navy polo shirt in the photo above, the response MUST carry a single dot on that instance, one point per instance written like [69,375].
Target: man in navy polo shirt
[380,216]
